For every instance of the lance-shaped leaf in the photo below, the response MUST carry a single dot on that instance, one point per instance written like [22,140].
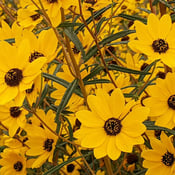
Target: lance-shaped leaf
[66,97]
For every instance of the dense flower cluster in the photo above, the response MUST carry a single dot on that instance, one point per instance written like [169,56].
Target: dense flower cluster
[87,87]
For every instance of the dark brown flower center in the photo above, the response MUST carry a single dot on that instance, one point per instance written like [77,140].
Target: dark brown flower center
[35,16]
[52,1]
[168,159]
[112,126]
[125,38]
[157,133]
[161,75]
[75,50]
[18,166]
[144,65]
[70,168]
[13,77]
[28,91]
[132,158]
[15,111]
[35,55]
[90,1]
[110,49]
[48,144]
[171,102]
[160,46]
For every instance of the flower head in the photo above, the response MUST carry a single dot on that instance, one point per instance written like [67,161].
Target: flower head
[111,126]
[12,163]
[162,101]
[156,39]
[160,160]
[16,73]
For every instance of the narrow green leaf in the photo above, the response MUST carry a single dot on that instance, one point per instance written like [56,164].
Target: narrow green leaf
[69,91]
[92,51]
[44,93]
[97,81]
[147,69]
[118,43]
[155,2]
[126,70]
[68,24]
[133,18]
[98,25]
[56,168]
[96,14]
[93,73]
[73,37]
[150,125]
[69,128]
[10,40]
[60,81]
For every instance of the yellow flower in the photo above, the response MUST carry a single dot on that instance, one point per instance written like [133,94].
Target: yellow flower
[28,17]
[110,127]
[162,101]
[12,163]
[156,39]
[42,144]
[12,115]
[38,45]
[16,73]
[160,160]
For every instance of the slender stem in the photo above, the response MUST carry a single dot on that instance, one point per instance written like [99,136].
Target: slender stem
[153,8]
[97,44]
[3,6]
[74,62]
[162,9]
[121,165]
[85,162]
[108,166]
[107,22]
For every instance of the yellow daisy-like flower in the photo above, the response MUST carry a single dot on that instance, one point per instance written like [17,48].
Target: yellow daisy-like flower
[156,39]
[12,163]
[160,160]
[162,101]
[28,18]
[42,144]
[111,126]
[16,73]
[12,115]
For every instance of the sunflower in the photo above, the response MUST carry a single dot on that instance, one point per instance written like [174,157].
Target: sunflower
[12,163]
[12,115]
[156,39]
[160,160]
[111,126]
[162,101]
[16,73]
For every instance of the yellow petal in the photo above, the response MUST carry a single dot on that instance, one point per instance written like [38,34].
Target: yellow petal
[153,24]
[40,160]
[156,106]
[89,119]
[94,138]
[164,26]
[8,94]
[112,151]
[117,102]
[152,155]
[101,151]
[99,106]
[143,33]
